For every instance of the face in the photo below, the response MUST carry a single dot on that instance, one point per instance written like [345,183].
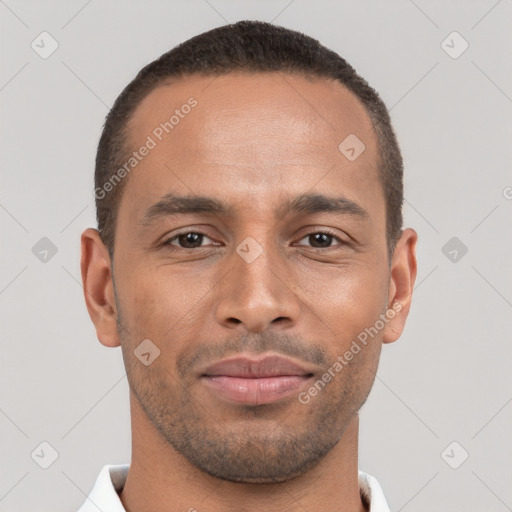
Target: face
[252,253]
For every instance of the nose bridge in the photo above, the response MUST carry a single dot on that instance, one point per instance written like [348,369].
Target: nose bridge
[255,292]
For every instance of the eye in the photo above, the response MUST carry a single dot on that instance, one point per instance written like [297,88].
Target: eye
[187,240]
[195,239]
[322,240]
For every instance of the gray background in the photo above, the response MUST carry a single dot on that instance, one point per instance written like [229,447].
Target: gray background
[447,379]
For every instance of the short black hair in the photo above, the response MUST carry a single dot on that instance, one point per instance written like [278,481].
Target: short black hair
[251,46]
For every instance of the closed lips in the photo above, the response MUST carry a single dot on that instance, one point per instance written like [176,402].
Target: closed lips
[256,382]
[269,366]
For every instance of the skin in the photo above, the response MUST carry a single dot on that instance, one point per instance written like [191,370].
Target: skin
[253,141]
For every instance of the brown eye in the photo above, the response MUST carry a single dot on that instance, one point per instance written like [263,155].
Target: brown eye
[189,240]
[322,240]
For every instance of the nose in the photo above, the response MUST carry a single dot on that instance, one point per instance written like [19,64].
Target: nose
[257,295]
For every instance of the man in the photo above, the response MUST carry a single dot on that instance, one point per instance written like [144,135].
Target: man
[250,261]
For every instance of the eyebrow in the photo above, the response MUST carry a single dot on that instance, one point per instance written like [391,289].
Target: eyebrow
[172,204]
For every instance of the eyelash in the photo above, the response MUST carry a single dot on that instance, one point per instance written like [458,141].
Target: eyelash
[168,245]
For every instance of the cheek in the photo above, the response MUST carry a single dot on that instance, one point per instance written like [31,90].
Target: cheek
[140,302]
[162,304]
[346,299]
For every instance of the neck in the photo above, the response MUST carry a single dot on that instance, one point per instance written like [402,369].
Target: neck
[160,479]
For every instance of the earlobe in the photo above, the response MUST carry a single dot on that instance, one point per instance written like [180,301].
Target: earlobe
[99,287]
[402,278]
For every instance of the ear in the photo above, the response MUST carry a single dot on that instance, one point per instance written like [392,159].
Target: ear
[99,287]
[402,277]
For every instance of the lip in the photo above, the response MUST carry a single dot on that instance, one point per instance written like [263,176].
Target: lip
[256,381]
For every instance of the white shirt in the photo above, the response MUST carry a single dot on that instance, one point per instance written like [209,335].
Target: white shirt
[111,480]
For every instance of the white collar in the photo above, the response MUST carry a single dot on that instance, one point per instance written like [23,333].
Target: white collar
[104,495]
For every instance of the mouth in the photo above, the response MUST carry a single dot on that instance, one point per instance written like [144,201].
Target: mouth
[252,381]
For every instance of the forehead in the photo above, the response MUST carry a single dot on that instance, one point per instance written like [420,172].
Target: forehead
[251,135]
